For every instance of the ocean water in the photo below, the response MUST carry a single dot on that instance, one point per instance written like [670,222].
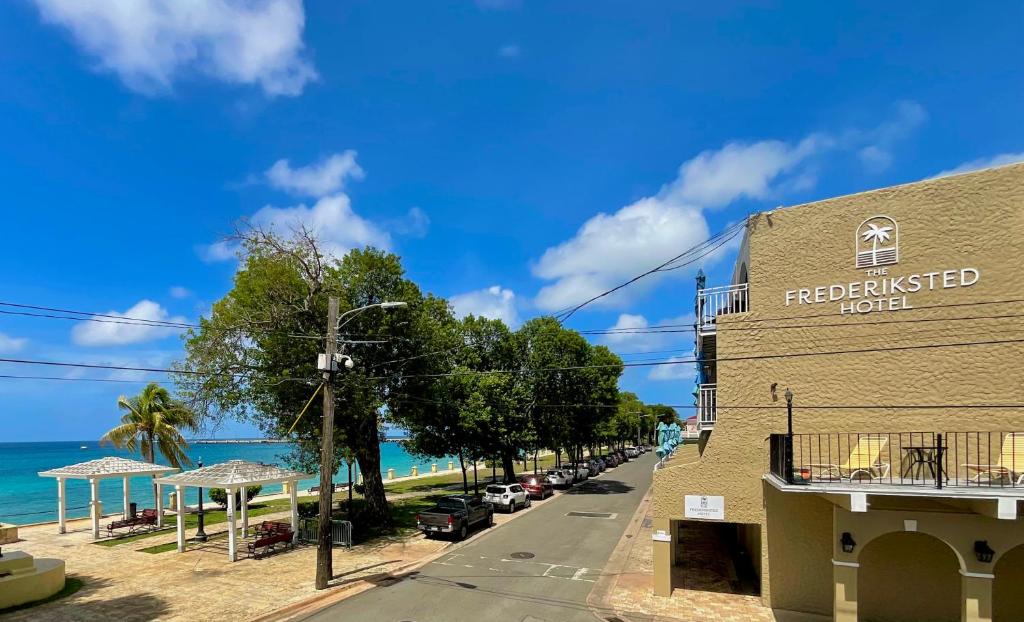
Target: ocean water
[27,498]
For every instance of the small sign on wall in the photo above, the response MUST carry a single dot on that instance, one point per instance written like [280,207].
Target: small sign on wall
[704,507]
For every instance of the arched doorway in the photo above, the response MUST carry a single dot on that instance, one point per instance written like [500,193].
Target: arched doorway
[1007,597]
[907,576]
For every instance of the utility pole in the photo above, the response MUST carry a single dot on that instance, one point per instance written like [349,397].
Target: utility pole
[324,570]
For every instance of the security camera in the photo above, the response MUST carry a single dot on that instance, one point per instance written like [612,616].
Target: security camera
[345,360]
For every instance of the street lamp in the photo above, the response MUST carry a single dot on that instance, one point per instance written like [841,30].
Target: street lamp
[200,534]
[789,436]
[328,367]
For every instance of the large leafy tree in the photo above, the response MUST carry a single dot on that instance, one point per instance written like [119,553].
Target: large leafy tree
[152,421]
[254,357]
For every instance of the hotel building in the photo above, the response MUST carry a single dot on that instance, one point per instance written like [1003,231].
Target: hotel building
[893,321]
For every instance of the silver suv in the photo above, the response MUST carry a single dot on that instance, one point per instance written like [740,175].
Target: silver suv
[507,496]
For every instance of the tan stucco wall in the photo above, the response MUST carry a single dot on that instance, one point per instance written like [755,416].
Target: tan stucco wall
[1006,593]
[908,576]
[967,221]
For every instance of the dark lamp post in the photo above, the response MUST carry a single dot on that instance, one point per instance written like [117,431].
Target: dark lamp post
[789,436]
[200,534]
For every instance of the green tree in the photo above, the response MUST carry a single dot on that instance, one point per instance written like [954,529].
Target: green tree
[154,420]
[254,357]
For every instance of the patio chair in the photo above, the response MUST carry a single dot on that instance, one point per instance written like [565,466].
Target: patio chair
[1010,466]
[865,459]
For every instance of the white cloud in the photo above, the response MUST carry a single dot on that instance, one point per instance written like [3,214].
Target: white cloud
[675,370]
[316,180]
[740,170]
[612,248]
[179,292]
[876,144]
[110,333]
[415,224]
[331,219]
[218,251]
[509,51]
[976,165]
[148,44]
[495,302]
[629,338]
[10,344]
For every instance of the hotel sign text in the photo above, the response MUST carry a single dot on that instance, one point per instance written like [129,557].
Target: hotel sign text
[882,292]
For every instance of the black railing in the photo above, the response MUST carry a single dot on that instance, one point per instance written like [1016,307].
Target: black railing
[936,459]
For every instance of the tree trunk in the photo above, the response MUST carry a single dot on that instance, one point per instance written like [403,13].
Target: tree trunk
[465,482]
[373,485]
[535,452]
[476,485]
[508,464]
[349,490]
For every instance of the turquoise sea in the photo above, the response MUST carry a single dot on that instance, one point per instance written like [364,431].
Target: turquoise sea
[27,498]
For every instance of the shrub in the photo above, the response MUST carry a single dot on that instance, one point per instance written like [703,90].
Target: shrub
[220,496]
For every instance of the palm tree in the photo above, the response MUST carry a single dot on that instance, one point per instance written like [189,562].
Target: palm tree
[876,234]
[153,419]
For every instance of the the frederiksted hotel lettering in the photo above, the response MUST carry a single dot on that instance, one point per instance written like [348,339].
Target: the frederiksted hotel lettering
[884,292]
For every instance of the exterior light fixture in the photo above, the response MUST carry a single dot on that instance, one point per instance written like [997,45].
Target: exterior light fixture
[392,305]
[847,542]
[983,551]
[789,437]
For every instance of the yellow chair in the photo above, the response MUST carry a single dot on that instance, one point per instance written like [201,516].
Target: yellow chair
[1010,466]
[865,459]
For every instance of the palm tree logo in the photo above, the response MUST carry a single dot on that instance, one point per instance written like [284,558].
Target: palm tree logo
[877,230]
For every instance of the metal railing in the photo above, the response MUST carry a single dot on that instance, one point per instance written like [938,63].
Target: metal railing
[715,301]
[341,531]
[932,459]
[707,405]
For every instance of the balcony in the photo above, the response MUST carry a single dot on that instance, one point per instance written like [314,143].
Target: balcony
[970,465]
[713,302]
[707,406]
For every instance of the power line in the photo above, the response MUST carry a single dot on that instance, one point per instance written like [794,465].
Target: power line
[728,233]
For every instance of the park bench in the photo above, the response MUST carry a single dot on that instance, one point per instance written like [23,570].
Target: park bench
[268,535]
[134,523]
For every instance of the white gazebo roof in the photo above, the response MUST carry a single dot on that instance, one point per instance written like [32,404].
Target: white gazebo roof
[110,466]
[233,474]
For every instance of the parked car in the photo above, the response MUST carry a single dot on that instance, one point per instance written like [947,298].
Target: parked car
[537,486]
[582,471]
[599,465]
[610,460]
[559,478]
[507,496]
[632,452]
[455,515]
[621,455]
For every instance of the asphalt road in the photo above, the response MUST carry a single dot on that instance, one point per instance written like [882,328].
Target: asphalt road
[537,568]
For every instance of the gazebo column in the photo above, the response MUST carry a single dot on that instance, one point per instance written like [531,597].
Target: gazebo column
[180,498]
[126,494]
[232,527]
[159,505]
[62,505]
[245,511]
[96,508]
[293,502]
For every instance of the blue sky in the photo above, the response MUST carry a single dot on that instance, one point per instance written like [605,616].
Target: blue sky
[519,155]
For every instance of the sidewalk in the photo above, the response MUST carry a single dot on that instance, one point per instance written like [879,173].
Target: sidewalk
[707,586]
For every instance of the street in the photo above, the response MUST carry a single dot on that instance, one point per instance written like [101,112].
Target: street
[537,568]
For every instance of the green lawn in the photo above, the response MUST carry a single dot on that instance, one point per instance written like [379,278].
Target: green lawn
[212,517]
[453,481]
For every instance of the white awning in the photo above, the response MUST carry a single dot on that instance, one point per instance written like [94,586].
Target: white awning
[234,474]
[110,466]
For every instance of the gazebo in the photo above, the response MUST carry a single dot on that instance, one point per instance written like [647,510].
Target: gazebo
[94,471]
[234,475]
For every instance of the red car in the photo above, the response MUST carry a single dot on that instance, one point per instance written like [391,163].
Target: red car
[537,486]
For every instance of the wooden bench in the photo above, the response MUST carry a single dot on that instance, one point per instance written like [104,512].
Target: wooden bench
[269,534]
[146,519]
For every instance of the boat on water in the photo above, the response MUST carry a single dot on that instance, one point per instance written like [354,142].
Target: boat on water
[84,447]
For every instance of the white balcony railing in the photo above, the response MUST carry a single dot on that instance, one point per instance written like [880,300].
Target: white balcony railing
[707,406]
[715,301]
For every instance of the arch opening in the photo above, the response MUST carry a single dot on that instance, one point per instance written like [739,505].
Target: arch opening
[905,576]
